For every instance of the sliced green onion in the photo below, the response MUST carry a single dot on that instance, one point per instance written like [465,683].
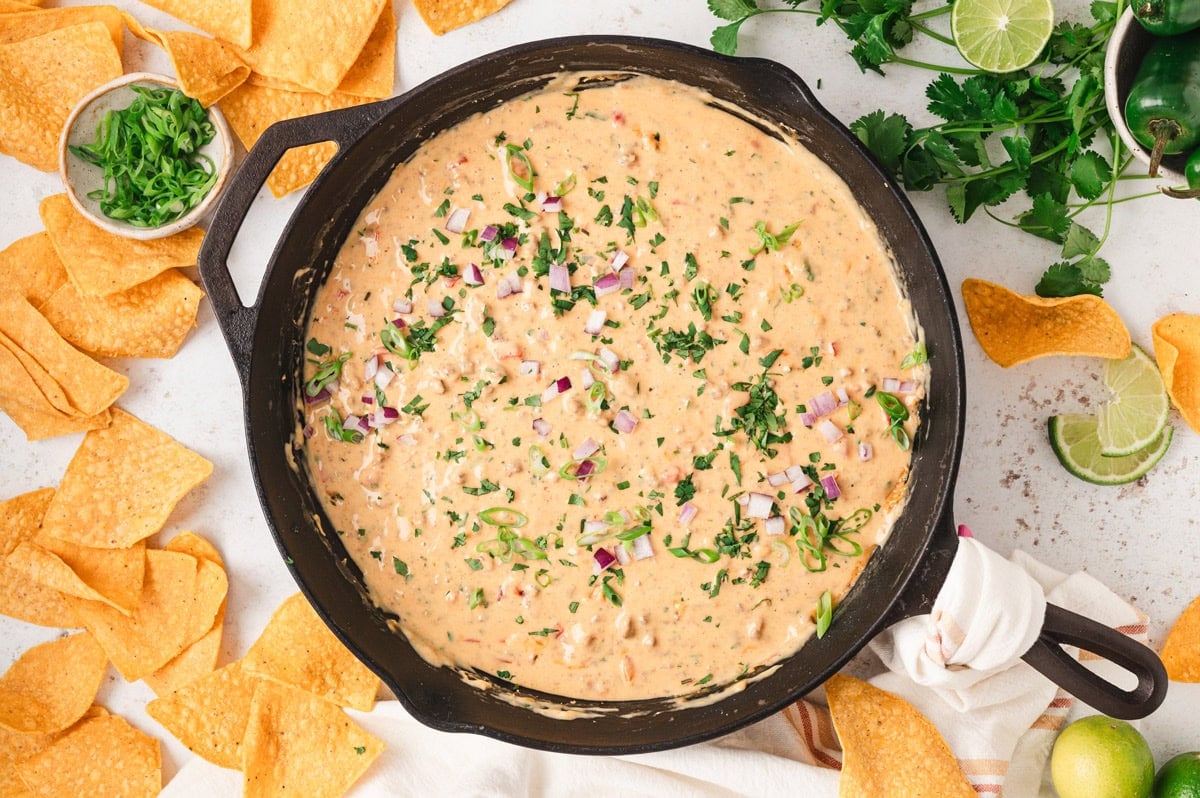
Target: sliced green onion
[597,392]
[570,470]
[515,153]
[394,340]
[537,461]
[326,374]
[503,516]
[469,419]
[824,613]
[565,185]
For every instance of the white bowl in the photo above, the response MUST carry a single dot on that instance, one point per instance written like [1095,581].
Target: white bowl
[80,177]
[1126,48]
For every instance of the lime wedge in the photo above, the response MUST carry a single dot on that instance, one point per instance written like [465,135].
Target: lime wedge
[1137,412]
[1073,438]
[1001,35]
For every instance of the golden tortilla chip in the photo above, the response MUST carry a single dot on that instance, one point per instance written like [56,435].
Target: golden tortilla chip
[206,68]
[210,714]
[230,20]
[14,749]
[1181,651]
[1013,328]
[14,6]
[296,744]
[188,542]
[1177,350]
[47,570]
[312,43]
[101,263]
[35,21]
[41,80]
[52,685]
[88,386]
[442,16]
[116,574]
[22,399]
[888,747]
[157,630]
[297,648]
[26,600]
[122,484]
[21,517]
[148,320]
[251,109]
[103,755]
[30,267]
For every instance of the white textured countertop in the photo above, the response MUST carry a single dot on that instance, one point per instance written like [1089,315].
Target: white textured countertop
[1139,539]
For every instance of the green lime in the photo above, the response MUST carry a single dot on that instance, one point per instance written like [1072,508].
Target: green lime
[1179,777]
[1074,440]
[1001,35]
[1136,414]
[1101,757]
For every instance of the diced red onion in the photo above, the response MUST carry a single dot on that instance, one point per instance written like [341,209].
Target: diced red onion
[606,284]
[593,532]
[907,386]
[603,557]
[509,245]
[503,288]
[529,368]
[843,397]
[801,483]
[623,556]
[383,377]
[367,399]
[610,360]
[321,396]
[370,368]
[488,234]
[595,322]
[560,278]
[399,324]
[687,512]
[542,427]
[830,484]
[587,379]
[585,469]
[619,259]
[586,449]
[472,274]
[759,505]
[808,419]
[865,452]
[402,306]
[309,430]
[775,525]
[642,548]
[385,416]
[626,277]
[822,404]
[830,430]
[370,246]
[778,479]
[625,516]
[373,216]
[891,384]
[793,472]
[964,531]
[563,383]
[625,421]
[435,309]
[552,204]
[456,222]
[744,499]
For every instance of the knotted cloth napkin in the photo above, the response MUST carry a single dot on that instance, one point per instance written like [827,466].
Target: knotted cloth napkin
[960,666]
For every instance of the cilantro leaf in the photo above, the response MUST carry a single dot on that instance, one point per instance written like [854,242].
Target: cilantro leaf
[1065,279]
[1089,174]
[1046,219]
[1079,241]
[886,136]
[724,39]
[732,10]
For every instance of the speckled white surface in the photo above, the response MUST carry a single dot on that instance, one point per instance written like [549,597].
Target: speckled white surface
[1139,539]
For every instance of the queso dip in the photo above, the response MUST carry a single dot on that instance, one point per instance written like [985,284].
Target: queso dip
[610,393]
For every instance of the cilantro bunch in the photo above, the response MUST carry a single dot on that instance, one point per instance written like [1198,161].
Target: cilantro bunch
[1023,138]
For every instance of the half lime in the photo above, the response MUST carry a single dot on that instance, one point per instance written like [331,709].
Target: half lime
[1136,414]
[1001,35]
[1077,446]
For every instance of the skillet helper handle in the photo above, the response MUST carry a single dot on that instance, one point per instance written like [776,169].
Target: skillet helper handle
[1065,627]
[237,320]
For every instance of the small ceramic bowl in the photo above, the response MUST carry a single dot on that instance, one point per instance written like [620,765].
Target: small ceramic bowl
[1126,48]
[81,177]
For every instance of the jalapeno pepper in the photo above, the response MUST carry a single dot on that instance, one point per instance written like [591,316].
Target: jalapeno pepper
[1167,17]
[1191,173]
[1163,107]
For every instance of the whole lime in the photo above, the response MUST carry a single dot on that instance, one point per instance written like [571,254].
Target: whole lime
[1101,757]
[1179,777]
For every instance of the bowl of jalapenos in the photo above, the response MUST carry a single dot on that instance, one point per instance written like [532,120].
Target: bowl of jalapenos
[1152,88]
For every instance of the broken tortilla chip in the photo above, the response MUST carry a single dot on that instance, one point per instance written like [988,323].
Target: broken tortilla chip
[103,755]
[442,16]
[30,267]
[888,747]
[35,21]
[1181,651]
[297,648]
[297,744]
[1177,350]
[1013,328]
[148,320]
[52,685]
[230,20]
[251,109]
[41,80]
[209,715]
[100,263]
[207,69]
[122,484]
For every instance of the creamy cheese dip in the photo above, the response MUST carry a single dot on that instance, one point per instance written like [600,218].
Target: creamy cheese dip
[585,382]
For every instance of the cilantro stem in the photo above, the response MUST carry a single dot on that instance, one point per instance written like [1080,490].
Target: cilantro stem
[896,59]
[930,32]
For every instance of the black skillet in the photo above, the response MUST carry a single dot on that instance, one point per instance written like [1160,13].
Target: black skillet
[267,343]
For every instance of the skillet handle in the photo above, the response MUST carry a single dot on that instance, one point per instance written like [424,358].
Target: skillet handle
[1065,627]
[238,321]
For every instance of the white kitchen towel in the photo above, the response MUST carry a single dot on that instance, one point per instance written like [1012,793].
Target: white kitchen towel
[959,665]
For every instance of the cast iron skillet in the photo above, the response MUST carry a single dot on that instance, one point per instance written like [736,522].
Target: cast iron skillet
[267,343]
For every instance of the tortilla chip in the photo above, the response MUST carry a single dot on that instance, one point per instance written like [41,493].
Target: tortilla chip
[888,747]
[442,16]
[16,748]
[251,109]
[226,19]
[41,80]
[14,6]
[21,517]
[22,399]
[297,648]
[101,263]
[1177,350]
[122,484]
[157,630]
[206,68]
[52,685]
[188,542]
[116,574]
[148,320]
[1013,328]
[103,755]
[34,22]
[26,600]
[312,43]
[1181,651]
[209,715]
[88,386]
[47,570]
[296,744]
[30,267]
